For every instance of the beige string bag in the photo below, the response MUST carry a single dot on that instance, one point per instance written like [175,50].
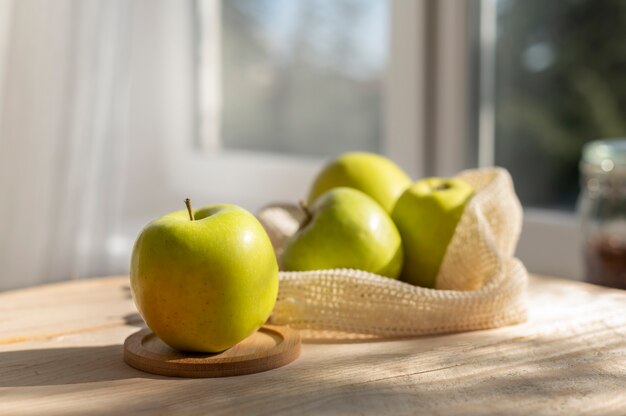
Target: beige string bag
[480,283]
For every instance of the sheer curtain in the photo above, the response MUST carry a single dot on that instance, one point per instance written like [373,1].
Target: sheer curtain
[91,95]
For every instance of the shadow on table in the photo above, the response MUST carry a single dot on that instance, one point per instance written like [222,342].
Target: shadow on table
[72,365]
[134,319]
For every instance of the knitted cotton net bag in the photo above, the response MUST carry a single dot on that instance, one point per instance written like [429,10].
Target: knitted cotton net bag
[480,283]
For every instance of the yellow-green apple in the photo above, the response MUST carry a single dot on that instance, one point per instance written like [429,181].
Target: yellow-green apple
[204,280]
[373,174]
[426,215]
[345,229]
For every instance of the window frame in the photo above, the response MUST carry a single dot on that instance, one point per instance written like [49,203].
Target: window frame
[428,94]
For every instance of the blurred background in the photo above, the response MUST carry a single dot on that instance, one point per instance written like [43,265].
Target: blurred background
[112,112]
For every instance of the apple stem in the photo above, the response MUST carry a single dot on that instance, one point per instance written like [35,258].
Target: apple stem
[307,213]
[188,204]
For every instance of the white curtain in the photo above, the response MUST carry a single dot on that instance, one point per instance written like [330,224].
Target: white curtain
[92,93]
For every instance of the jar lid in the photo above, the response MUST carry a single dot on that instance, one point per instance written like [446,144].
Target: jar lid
[607,154]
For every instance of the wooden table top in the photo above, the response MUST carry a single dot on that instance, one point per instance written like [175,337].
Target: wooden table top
[61,353]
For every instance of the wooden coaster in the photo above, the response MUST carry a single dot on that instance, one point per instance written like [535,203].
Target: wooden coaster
[270,347]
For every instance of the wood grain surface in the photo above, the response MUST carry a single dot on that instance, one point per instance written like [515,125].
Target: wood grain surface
[266,349]
[61,353]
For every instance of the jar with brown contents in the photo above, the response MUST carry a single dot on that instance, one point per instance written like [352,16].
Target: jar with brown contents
[602,208]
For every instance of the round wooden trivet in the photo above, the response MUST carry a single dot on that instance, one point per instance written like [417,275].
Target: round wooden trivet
[270,347]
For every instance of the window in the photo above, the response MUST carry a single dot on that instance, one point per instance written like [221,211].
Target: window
[405,91]
[426,106]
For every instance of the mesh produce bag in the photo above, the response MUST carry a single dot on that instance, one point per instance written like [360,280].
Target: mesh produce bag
[480,284]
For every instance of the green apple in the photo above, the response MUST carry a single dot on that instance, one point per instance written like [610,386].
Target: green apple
[204,280]
[370,173]
[345,229]
[426,215]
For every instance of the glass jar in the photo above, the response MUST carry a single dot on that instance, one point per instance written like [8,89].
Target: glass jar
[602,209]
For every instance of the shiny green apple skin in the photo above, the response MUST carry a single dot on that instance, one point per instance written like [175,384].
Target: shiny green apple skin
[204,285]
[426,215]
[347,229]
[373,174]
